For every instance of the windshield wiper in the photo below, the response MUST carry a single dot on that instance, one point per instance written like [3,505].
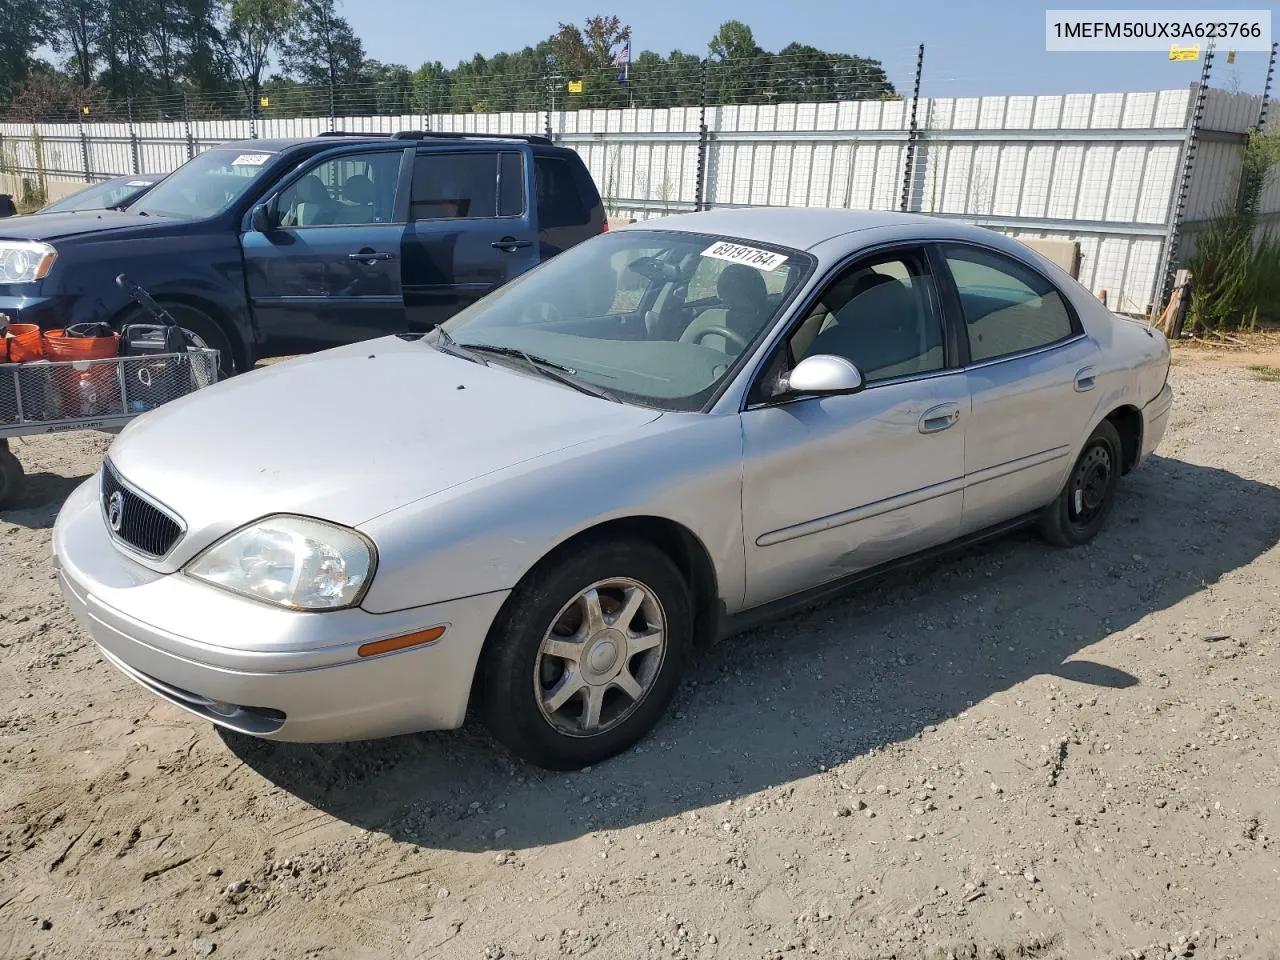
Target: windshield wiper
[445,343]
[548,368]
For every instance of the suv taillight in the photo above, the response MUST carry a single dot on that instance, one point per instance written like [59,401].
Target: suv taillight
[604,227]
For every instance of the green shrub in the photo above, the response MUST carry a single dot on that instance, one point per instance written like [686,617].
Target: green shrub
[1236,274]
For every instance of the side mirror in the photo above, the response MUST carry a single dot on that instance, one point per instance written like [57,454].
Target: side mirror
[822,374]
[260,218]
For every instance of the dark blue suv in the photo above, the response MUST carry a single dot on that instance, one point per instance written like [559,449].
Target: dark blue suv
[270,247]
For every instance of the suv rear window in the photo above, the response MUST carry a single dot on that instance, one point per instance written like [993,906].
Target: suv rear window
[559,197]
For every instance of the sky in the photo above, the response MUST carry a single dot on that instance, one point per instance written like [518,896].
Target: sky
[971,49]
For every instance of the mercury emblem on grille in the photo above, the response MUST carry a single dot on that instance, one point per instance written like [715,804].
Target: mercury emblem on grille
[115,510]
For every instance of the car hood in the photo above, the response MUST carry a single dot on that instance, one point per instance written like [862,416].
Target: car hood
[51,226]
[349,434]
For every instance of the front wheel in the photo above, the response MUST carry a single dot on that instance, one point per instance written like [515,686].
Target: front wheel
[202,331]
[1078,512]
[587,654]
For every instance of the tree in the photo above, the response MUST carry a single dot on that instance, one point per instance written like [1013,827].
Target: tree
[321,48]
[739,66]
[432,86]
[77,26]
[254,29]
[587,54]
[26,26]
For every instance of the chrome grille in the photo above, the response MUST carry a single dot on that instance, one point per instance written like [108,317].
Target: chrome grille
[141,525]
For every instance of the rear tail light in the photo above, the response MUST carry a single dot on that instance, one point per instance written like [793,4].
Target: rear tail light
[604,227]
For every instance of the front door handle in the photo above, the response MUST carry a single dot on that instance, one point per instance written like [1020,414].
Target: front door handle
[1086,378]
[939,418]
[510,244]
[370,255]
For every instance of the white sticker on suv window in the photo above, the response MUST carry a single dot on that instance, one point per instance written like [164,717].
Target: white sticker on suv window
[251,159]
[138,183]
[765,260]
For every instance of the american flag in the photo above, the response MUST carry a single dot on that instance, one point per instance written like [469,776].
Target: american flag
[623,59]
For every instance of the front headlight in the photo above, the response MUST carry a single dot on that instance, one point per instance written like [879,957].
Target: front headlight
[295,562]
[25,261]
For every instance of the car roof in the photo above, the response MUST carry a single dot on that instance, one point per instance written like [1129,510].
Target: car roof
[802,228]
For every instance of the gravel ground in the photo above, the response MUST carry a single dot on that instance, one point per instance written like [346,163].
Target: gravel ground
[1018,752]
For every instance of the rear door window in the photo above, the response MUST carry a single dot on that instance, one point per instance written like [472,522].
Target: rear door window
[455,186]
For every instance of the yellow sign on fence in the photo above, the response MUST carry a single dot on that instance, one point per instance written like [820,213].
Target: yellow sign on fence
[575,86]
[1184,53]
[264,101]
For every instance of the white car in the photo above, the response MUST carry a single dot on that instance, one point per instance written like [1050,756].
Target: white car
[644,444]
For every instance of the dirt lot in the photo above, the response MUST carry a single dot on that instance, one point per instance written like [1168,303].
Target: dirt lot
[1018,752]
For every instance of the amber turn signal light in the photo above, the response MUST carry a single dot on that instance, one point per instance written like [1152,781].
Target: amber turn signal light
[375,647]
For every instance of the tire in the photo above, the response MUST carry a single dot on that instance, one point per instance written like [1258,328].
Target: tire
[520,673]
[11,476]
[204,330]
[1079,511]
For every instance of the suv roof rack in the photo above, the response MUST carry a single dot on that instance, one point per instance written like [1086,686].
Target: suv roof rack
[460,135]
[349,133]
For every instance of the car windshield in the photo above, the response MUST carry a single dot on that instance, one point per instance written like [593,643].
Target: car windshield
[205,185]
[654,317]
[100,196]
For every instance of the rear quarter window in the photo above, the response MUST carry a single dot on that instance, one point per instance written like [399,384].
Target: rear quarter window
[560,198]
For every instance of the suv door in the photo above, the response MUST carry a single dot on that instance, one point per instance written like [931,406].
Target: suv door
[328,271]
[471,228]
[833,485]
[1030,373]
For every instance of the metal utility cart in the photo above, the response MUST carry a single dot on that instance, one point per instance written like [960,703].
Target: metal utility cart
[66,395]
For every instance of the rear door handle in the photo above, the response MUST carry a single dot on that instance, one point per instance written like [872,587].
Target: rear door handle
[1086,378]
[939,418]
[368,256]
[510,243]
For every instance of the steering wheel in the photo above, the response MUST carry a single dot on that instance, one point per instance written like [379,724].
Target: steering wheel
[541,312]
[736,339]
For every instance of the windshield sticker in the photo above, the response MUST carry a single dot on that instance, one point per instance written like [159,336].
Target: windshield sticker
[251,159]
[138,183]
[764,260]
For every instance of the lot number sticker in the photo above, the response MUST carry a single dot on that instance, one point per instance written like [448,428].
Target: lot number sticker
[251,159]
[751,256]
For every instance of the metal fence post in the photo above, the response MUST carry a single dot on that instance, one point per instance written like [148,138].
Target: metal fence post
[186,125]
[1266,89]
[333,107]
[550,103]
[908,167]
[133,141]
[84,149]
[1169,258]
[700,188]
[253,115]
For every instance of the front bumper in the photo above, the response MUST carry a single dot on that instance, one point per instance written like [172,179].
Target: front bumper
[1155,418]
[273,673]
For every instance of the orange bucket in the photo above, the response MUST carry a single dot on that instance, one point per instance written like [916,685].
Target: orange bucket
[58,346]
[91,389]
[24,342]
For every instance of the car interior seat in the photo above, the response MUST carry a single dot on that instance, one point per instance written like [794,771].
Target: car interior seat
[313,205]
[745,298]
[359,196]
[880,330]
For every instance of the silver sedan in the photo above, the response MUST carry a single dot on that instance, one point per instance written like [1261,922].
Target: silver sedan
[651,441]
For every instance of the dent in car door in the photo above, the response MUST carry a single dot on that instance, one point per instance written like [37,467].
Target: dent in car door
[1031,379]
[470,230]
[329,273]
[834,485]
